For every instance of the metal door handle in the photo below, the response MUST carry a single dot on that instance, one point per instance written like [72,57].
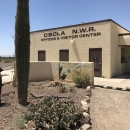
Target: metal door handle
[99,63]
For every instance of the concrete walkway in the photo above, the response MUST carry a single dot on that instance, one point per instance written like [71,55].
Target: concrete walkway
[7,76]
[121,82]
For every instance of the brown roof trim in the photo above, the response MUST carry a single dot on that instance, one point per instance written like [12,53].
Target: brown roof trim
[107,20]
[124,34]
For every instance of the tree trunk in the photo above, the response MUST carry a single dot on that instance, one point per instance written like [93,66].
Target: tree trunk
[22,49]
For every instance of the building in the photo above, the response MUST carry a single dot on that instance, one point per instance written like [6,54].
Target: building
[105,43]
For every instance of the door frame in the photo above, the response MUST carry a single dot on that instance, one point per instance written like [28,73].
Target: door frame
[99,49]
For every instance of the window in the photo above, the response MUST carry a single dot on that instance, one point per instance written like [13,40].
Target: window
[64,55]
[123,55]
[41,56]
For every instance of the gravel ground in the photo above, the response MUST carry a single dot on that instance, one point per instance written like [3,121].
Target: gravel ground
[110,109]
[10,109]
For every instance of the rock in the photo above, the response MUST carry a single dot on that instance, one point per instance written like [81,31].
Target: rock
[83,102]
[86,115]
[52,84]
[85,121]
[86,127]
[87,99]
[85,107]
[70,88]
[105,86]
[128,87]
[26,125]
[88,93]
[114,88]
[88,89]
[10,83]
[124,88]
[92,86]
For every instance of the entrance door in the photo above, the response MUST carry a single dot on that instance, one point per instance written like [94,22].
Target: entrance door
[64,55]
[41,56]
[95,55]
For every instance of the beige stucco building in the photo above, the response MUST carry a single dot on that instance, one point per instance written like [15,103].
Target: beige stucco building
[105,43]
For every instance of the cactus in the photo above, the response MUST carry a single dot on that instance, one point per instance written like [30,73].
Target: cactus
[50,113]
[22,49]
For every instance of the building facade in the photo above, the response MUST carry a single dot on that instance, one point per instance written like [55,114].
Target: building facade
[105,43]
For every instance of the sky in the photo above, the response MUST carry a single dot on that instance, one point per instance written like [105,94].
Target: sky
[45,14]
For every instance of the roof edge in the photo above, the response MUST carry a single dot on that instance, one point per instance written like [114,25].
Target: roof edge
[123,34]
[106,20]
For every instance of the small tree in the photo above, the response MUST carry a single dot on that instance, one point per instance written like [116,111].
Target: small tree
[22,49]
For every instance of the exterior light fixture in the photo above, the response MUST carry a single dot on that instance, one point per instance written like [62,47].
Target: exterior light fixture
[72,41]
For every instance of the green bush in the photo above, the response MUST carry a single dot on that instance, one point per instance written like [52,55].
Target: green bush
[81,78]
[53,114]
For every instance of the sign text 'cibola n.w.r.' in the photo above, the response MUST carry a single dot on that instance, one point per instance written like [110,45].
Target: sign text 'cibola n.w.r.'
[76,33]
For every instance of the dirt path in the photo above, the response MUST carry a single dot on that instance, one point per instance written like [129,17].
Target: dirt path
[7,66]
[110,109]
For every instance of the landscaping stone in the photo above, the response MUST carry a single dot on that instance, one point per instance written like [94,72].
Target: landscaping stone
[70,88]
[87,99]
[83,102]
[86,115]
[52,84]
[124,89]
[85,121]
[88,94]
[85,107]
[86,127]
[118,88]
[92,86]
[105,86]
[88,89]
[114,88]
[128,88]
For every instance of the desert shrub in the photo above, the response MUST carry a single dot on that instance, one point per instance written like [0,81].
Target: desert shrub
[53,114]
[17,123]
[81,78]
[7,60]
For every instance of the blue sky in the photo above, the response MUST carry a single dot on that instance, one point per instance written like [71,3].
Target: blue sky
[56,13]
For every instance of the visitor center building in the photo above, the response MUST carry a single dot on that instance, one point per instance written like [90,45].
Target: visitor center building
[106,43]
